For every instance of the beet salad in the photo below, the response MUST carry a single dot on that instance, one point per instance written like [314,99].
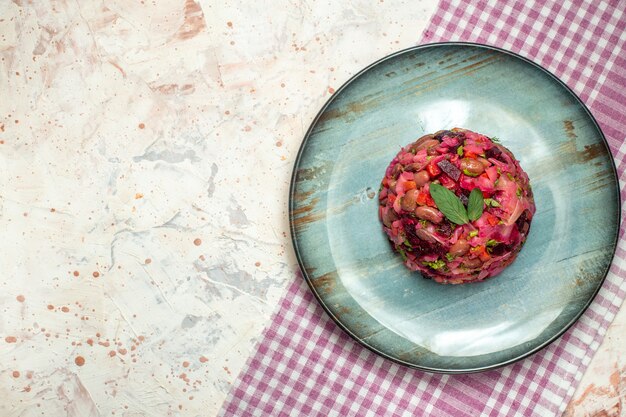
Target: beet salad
[456,205]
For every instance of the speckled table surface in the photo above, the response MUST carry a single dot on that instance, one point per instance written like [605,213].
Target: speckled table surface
[145,154]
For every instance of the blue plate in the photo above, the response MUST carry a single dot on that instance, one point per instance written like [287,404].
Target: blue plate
[361,282]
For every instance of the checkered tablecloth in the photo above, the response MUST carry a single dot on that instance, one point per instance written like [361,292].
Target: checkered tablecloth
[305,365]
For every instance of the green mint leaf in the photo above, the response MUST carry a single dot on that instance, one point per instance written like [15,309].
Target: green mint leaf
[495,139]
[475,204]
[449,204]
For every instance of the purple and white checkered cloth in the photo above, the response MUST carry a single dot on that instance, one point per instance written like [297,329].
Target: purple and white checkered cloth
[306,366]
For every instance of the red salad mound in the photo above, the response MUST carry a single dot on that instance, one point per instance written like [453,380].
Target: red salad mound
[456,206]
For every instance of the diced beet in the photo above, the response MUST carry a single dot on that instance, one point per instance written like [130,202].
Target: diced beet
[495,153]
[409,228]
[442,134]
[422,248]
[447,167]
[463,195]
[467,183]
[450,142]
[501,248]
[449,134]
[445,228]
[525,228]
[447,182]
[522,222]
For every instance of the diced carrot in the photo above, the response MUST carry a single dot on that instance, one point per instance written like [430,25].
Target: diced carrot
[482,253]
[410,185]
[493,220]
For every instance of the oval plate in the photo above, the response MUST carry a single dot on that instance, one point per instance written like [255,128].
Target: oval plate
[347,260]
